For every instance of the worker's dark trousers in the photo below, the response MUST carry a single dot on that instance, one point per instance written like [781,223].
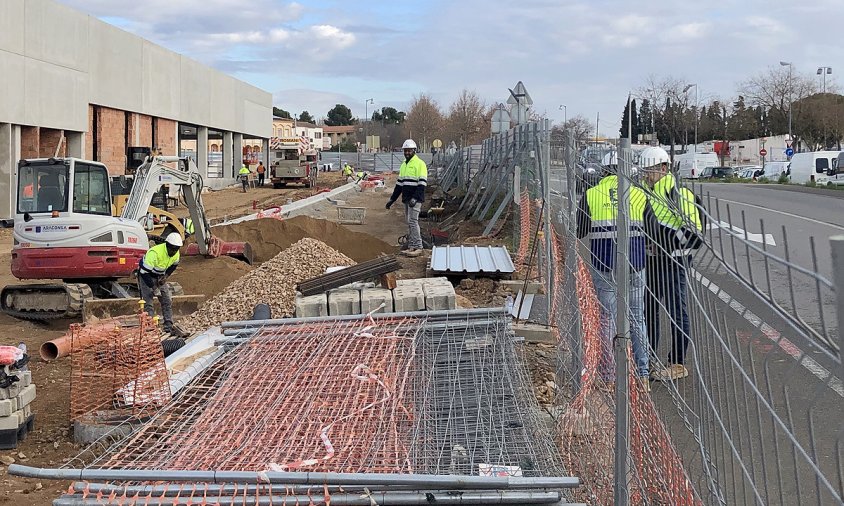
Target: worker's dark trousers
[260,179]
[666,285]
[149,287]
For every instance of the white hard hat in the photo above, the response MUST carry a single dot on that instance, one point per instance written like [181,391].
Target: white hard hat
[409,144]
[653,156]
[174,239]
[610,158]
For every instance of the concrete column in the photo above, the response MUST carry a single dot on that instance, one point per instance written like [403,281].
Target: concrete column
[202,150]
[237,153]
[10,153]
[227,154]
[75,144]
[265,152]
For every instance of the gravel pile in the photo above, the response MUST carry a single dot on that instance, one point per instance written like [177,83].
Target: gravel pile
[273,283]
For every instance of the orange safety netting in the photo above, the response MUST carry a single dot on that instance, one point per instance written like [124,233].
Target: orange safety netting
[117,369]
[524,228]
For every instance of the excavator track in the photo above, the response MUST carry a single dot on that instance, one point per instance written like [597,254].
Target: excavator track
[42,302]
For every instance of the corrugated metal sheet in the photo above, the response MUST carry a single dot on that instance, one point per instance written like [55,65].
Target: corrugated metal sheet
[471,259]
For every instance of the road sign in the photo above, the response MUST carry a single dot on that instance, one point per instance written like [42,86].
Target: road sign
[789,152]
[763,152]
[437,143]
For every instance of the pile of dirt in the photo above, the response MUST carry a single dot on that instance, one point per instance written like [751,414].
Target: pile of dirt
[208,276]
[269,236]
[483,292]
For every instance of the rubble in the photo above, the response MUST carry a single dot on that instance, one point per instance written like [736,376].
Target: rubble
[272,283]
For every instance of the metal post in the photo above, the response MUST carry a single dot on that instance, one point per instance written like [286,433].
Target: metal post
[837,246]
[621,342]
[545,156]
[570,260]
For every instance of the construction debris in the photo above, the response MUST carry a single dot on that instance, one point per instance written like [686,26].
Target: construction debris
[17,391]
[272,283]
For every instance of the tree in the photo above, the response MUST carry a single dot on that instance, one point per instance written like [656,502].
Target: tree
[467,119]
[822,124]
[424,121]
[581,127]
[281,113]
[646,117]
[339,115]
[347,145]
[633,121]
[774,90]
[306,117]
[388,115]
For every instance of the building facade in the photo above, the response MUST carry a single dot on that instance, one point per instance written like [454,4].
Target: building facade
[76,86]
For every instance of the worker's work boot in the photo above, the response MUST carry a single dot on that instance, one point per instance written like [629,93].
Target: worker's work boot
[672,372]
[174,330]
[646,383]
[412,252]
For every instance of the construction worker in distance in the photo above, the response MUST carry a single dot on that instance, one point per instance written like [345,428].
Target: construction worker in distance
[188,224]
[155,267]
[673,228]
[261,171]
[411,184]
[596,218]
[244,176]
[347,170]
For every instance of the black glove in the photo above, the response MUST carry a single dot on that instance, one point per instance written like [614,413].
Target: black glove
[389,203]
[412,203]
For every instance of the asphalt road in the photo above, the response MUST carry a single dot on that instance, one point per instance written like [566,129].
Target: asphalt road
[763,387]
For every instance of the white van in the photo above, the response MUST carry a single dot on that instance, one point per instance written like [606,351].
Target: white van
[812,167]
[773,170]
[691,165]
[836,174]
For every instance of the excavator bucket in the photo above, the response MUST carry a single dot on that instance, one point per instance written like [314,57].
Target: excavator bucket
[240,250]
[98,309]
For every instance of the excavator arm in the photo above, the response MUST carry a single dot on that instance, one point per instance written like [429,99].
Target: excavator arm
[170,170]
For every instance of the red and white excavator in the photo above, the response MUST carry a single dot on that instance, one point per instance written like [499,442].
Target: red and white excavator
[65,230]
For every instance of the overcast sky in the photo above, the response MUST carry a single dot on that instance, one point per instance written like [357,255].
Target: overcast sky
[586,54]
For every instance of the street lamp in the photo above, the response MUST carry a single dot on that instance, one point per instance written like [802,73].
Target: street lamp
[823,71]
[565,114]
[366,121]
[697,115]
[790,69]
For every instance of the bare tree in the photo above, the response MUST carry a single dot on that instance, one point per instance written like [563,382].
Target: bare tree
[581,127]
[468,119]
[425,120]
[774,90]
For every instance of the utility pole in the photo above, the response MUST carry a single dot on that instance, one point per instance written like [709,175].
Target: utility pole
[823,71]
[790,97]
[366,123]
[697,114]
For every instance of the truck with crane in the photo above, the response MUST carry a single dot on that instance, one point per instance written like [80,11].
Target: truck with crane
[66,228]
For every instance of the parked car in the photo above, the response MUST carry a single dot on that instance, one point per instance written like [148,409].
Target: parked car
[773,170]
[752,172]
[717,173]
[691,165]
[812,167]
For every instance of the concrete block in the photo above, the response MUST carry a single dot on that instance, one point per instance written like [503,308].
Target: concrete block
[13,421]
[410,282]
[25,378]
[438,298]
[8,406]
[23,414]
[408,297]
[314,305]
[437,282]
[10,392]
[371,298]
[344,302]
[533,333]
[26,396]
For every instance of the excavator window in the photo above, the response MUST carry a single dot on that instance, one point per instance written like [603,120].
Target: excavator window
[42,188]
[91,190]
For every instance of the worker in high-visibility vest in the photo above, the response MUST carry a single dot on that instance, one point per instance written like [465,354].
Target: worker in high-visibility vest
[155,268]
[243,174]
[188,224]
[674,229]
[347,170]
[597,218]
[411,184]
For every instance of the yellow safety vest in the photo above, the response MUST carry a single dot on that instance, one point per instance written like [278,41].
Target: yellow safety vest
[674,207]
[602,200]
[156,261]
[413,172]
[243,170]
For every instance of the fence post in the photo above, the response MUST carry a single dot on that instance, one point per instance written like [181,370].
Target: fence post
[621,343]
[836,243]
[545,156]
[570,258]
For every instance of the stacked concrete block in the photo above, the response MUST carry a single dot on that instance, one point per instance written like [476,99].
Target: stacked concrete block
[343,302]
[313,305]
[408,297]
[439,294]
[16,419]
[372,298]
